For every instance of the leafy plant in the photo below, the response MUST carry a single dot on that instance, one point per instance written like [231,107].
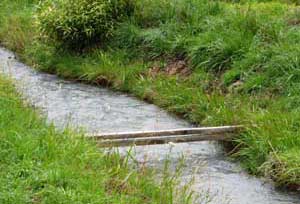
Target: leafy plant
[80,23]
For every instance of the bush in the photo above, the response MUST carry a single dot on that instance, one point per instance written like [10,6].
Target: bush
[79,23]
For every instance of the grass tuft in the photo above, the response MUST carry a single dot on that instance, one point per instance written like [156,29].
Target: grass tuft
[40,165]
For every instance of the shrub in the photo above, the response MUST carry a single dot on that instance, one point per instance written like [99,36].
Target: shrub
[79,23]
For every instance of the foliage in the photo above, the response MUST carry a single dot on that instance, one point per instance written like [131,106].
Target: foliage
[253,42]
[80,23]
[40,165]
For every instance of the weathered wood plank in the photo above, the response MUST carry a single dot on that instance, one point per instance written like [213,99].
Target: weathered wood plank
[164,139]
[182,131]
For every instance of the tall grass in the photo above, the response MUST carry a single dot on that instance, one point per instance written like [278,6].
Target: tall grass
[40,165]
[244,67]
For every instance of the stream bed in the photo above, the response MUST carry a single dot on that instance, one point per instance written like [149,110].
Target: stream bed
[96,109]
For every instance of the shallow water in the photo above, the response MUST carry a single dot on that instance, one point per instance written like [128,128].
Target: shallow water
[101,110]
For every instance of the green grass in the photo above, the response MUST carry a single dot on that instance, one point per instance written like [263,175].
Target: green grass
[40,165]
[243,57]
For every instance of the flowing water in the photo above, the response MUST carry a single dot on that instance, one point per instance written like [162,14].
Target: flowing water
[97,109]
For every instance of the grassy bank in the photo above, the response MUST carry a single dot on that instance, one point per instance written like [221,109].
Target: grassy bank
[213,63]
[39,165]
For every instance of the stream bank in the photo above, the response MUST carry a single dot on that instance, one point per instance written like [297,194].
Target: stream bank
[93,108]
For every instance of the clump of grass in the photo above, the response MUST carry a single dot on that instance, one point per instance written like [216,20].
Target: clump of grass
[231,76]
[38,164]
[20,24]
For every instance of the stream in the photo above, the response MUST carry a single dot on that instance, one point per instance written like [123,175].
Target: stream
[96,109]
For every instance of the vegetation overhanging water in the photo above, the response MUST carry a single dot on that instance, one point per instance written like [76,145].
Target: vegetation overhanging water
[70,104]
[240,59]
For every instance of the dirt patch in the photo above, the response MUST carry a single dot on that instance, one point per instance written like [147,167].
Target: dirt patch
[173,67]
[178,67]
[155,70]
[235,86]
[103,81]
[294,22]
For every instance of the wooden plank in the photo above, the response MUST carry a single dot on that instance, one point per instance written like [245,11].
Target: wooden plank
[182,131]
[164,139]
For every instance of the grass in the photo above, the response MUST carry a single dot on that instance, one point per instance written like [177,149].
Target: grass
[41,165]
[243,59]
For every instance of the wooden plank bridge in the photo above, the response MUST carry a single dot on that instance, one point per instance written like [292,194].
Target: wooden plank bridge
[221,133]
